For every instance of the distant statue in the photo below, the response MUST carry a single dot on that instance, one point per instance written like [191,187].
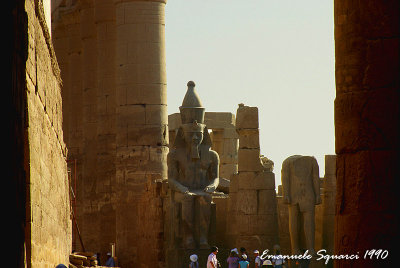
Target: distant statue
[301,191]
[193,171]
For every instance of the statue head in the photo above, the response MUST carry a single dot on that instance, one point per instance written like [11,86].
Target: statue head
[193,132]
[192,110]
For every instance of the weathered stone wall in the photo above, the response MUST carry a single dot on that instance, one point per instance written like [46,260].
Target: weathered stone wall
[49,228]
[367,45]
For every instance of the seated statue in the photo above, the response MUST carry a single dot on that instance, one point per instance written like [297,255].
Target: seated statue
[301,191]
[193,170]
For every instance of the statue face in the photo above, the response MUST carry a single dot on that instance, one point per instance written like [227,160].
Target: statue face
[193,137]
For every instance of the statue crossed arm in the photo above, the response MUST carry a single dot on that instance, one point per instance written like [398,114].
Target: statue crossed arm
[183,185]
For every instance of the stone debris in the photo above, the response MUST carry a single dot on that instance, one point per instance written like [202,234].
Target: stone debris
[83,259]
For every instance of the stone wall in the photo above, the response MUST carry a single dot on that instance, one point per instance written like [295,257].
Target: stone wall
[49,225]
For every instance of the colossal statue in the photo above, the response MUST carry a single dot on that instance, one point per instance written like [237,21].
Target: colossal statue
[193,171]
[301,191]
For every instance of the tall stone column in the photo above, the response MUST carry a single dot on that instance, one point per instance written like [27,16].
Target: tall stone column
[70,44]
[102,187]
[328,205]
[367,38]
[141,127]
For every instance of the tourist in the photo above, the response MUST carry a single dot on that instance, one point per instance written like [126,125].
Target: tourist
[212,261]
[193,261]
[267,264]
[110,262]
[257,259]
[233,259]
[244,262]
[97,255]
[242,251]
[278,260]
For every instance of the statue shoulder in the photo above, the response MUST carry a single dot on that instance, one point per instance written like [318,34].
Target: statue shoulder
[172,154]
[214,155]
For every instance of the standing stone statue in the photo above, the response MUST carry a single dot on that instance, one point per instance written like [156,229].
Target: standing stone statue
[301,191]
[193,170]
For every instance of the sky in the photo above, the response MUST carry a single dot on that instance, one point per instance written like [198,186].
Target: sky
[277,55]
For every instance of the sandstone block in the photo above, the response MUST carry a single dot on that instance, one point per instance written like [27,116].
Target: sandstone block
[263,180]
[267,202]
[135,93]
[227,158]
[156,114]
[174,121]
[131,115]
[227,170]
[369,170]
[231,146]
[247,201]
[330,165]
[247,117]
[230,133]
[365,120]
[234,183]
[216,120]
[141,74]
[249,160]
[249,138]
[145,135]
[263,225]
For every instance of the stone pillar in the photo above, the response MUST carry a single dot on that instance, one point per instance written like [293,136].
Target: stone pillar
[142,134]
[367,36]
[72,95]
[225,141]
[328,204]
[103,186]
[253,219]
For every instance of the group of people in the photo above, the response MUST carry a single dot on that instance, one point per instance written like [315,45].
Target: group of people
[238,260]
[241,260]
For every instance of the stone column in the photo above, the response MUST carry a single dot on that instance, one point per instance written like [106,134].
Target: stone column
[253,219]
[141,127]
[72,95]
[103,185]
[367,36]
[328,204]
[225,143]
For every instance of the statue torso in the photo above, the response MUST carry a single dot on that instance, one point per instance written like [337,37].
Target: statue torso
[194,173]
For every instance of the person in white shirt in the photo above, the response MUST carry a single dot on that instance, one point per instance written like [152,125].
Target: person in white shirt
[212,261]
[257,260]
[278,260]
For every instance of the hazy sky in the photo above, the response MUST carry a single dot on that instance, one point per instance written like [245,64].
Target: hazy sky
[277,55]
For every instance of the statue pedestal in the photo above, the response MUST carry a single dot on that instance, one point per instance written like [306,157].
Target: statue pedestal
[178,256]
